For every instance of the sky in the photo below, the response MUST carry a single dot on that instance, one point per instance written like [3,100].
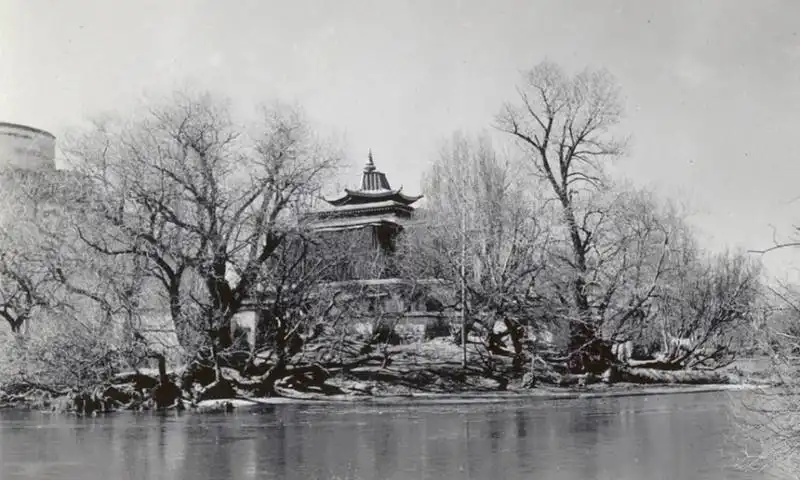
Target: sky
[711,88]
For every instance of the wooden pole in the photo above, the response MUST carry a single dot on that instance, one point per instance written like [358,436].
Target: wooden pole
[463,288]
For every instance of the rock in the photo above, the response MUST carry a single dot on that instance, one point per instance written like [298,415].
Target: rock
[361,387]
[221,388]
[440,383]
[528,380]
[485,383]
[40,400]
[139,380]
[611,375]
[499,328]
[119,394]
[85,403]
[197,373]
[61,404]
[215,407]
[146,405]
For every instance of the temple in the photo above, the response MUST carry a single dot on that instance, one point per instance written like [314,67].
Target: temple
[363,225]
[360,231]
[375,209]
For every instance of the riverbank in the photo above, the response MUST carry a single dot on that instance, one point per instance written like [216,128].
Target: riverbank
[422,398]
[536,394]
[422,373]
[119,396]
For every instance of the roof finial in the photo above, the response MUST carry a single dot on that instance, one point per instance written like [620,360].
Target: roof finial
[370,166]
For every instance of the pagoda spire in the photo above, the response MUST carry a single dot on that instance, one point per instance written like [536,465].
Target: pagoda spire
[372,179]
[370,166]
[374,188]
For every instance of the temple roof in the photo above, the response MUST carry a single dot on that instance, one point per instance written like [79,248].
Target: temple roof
[377,206]
[363,215]
[352,223]
[374,188]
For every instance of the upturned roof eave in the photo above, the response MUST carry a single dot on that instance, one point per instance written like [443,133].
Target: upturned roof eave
[396,195]
[347,223]
[358,209]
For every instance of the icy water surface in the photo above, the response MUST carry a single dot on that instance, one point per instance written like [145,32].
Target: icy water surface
[627,438]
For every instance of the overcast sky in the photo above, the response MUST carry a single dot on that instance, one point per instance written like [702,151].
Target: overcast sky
[712,88]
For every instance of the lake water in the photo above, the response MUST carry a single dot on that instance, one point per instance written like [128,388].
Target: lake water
[664,437]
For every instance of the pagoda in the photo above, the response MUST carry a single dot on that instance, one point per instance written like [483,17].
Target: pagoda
[375,207]
[368,221]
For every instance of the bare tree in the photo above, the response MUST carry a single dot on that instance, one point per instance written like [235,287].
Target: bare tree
[204,203]
[26,280]
[706,308]
[627,261]
[24,285]
[50,294]
[768,416]
[564,126]
[482,232]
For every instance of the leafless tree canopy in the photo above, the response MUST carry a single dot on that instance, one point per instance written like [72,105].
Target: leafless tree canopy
[566,124]
[201,202]
[621,247]
[563,125]
[482,215]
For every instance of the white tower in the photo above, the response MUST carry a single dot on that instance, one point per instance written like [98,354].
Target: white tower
[26,148]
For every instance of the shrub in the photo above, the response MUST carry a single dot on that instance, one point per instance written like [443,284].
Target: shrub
[62,354]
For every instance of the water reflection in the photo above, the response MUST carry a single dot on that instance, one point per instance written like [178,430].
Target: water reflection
[670,437]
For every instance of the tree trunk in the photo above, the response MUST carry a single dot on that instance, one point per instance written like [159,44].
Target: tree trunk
[166,393]
[515,333]
[588,354]
[185,331]
[223,336]
[16,328]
